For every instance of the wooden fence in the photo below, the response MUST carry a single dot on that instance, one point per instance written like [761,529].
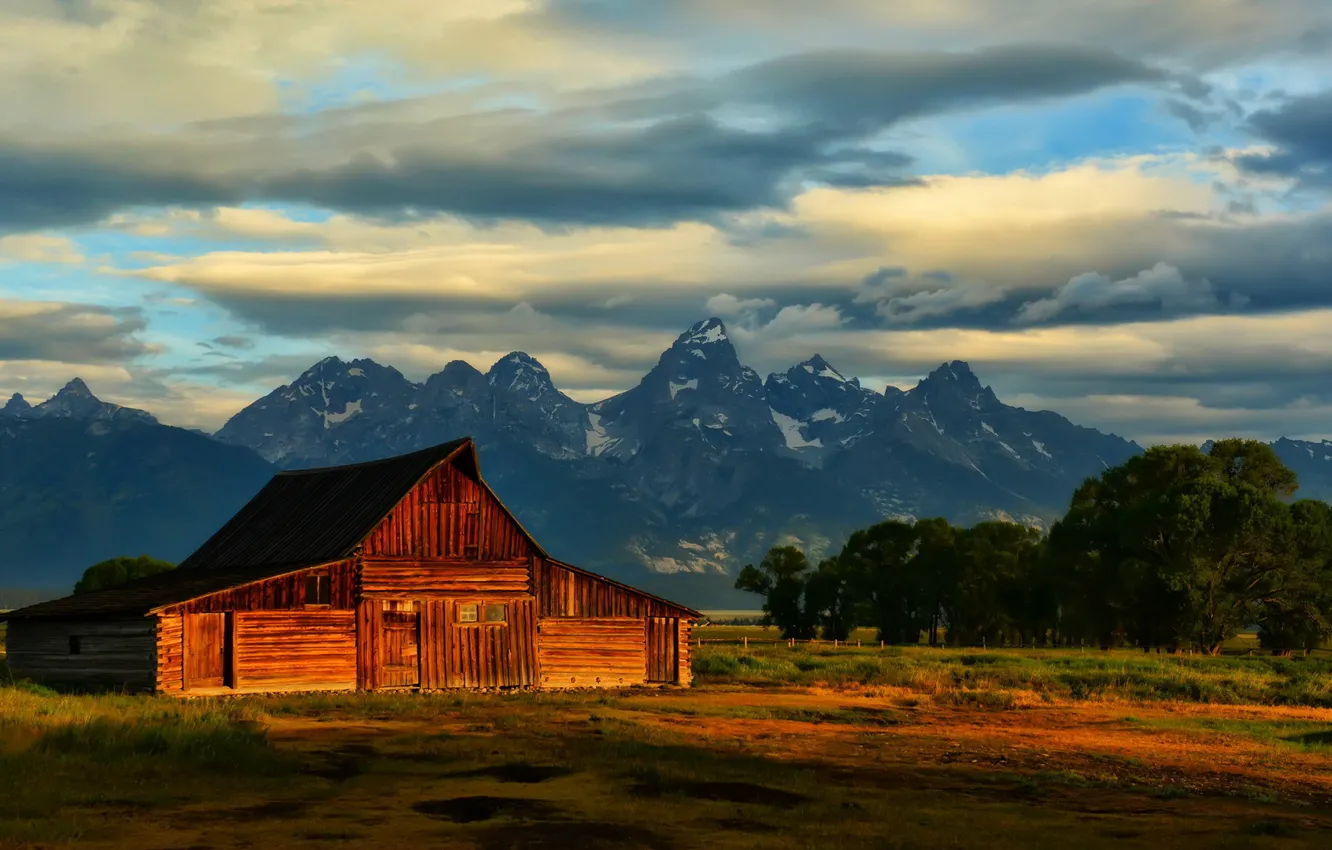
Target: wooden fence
[793,643]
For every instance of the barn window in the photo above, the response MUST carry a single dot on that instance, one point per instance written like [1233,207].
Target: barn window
[75,645]
[318,591]
[467,613]
[494,613]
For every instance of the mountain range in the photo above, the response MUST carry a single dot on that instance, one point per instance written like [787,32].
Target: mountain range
[672,484]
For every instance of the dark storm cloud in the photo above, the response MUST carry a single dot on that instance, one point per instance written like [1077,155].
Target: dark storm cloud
[645,154]
[50,187]
[73,333]
[1301,130]
[860,92]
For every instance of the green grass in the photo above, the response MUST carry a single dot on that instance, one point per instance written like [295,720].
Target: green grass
[1064,674]
[60,754]
[1308,736]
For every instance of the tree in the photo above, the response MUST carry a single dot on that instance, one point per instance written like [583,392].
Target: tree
[992,559]
[117,571]
[1298,614]
[1234,550]
[780,578]
[893,592]
[829,599]
[1179,544]
[936,565]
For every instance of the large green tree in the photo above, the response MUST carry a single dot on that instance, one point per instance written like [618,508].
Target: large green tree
[993,560]
[1178,544]
[891,585]
[831,594]
[780,578]
[117,571]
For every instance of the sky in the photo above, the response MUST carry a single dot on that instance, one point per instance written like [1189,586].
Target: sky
[1120,210]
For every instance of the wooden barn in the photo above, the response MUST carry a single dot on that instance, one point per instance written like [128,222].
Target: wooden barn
[406,573]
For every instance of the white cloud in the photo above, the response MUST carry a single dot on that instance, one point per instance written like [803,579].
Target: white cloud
[39,248]
[944,301]
[726,305]
[1162,283]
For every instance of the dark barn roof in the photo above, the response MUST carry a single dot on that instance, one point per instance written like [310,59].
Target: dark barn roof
[316,515]
[141,596]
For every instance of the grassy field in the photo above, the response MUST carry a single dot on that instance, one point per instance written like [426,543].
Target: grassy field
[773,748]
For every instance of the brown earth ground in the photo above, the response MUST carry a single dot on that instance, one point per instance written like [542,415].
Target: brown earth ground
[730,767]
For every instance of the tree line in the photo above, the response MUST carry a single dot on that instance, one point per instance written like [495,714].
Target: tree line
[1177,547]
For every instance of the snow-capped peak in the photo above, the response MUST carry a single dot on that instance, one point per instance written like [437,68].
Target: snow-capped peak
[821,368]
[327,364]
[519,372]
[705,332]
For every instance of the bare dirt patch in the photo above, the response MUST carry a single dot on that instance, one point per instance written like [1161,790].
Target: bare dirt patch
[482,808]
[585,835]
[746,793]
[520,772]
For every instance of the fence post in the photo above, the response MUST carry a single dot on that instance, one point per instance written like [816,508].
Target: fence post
[880,644]
[834,643]
[746,639]
[857,644]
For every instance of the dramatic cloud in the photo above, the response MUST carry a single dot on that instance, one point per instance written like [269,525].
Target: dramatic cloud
[199,200]
[648,154]
[80,333]
[913,303]
[1161,284]
[1301,129]
[1200,33]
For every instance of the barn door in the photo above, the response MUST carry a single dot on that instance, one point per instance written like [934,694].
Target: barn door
[207,651]
[400,656]
[663,650]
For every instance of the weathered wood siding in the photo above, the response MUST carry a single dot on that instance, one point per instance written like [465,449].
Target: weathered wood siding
[113,653]
[479,655]
[448,515]
[369,623]
[208,651]
[400,645]
[685,674]
[418,579]
[663,649]
[284,593]
[589,653]
[563,592]
[170,653]
[292,650]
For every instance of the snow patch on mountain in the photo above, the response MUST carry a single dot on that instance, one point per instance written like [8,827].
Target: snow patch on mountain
[705,333]
[691,384]
[331,419]
[790,429]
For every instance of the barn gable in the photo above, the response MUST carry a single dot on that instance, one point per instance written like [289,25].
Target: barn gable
[450,514]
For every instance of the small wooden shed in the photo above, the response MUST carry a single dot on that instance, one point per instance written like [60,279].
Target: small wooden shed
[405,573]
